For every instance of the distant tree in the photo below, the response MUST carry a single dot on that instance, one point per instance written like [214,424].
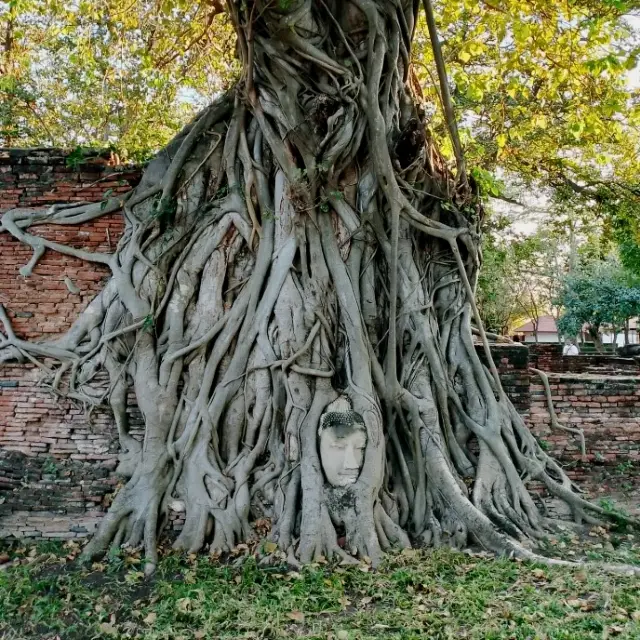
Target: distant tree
[602,296]
[620,206]
[603,214]
[498,306]
[520,278]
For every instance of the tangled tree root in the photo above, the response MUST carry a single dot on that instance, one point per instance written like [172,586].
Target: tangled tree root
[301,241]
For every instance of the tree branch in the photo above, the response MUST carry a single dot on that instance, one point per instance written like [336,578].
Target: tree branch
[446,93]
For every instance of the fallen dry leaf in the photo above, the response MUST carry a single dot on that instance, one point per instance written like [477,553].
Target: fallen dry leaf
[108,629]
[270,547]
[184,604]
[151,618]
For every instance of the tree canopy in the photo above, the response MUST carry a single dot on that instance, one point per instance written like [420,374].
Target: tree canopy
[540,87]
[116,73]
[543,92]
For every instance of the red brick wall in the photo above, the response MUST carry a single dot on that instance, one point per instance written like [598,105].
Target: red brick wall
[56,463]
[607,408]
[41,304]
[548,357]
[512,362]
[36,423]
[39,177]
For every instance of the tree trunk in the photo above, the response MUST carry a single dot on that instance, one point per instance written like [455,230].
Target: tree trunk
[594,333]
[626,332]
[296,276]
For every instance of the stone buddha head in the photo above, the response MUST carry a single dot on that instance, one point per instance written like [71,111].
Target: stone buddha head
[342,438]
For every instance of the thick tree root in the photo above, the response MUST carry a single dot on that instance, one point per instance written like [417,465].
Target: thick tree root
[300,242]
[555,423]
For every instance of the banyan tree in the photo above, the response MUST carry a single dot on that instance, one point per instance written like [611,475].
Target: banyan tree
[292,304]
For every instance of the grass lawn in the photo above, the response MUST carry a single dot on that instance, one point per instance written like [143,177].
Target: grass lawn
[415,594]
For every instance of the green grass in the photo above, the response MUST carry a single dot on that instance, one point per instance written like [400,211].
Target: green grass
[440,594]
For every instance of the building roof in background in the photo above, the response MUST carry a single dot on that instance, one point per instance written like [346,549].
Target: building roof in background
[546,324]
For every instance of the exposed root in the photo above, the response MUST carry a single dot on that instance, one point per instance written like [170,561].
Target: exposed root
[555,423]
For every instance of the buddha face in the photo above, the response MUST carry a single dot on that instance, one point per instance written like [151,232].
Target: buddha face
[343,439]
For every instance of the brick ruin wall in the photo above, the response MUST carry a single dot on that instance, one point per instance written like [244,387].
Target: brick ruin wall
[512,362]
[42,305]
[548,357]
[606,408]
[57,463]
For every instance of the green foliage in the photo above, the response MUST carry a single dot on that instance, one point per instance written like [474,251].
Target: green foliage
[621,209]
[163,209]
[498,308]
[148,323]
[488,185]
[520,276]
[50,467]
[544,444]
[614,511]
[105,198]
[112,73]
[602,294]
[540,87]
[625,468]
[630,253]
[75,158]
[442,594]
[605,213]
